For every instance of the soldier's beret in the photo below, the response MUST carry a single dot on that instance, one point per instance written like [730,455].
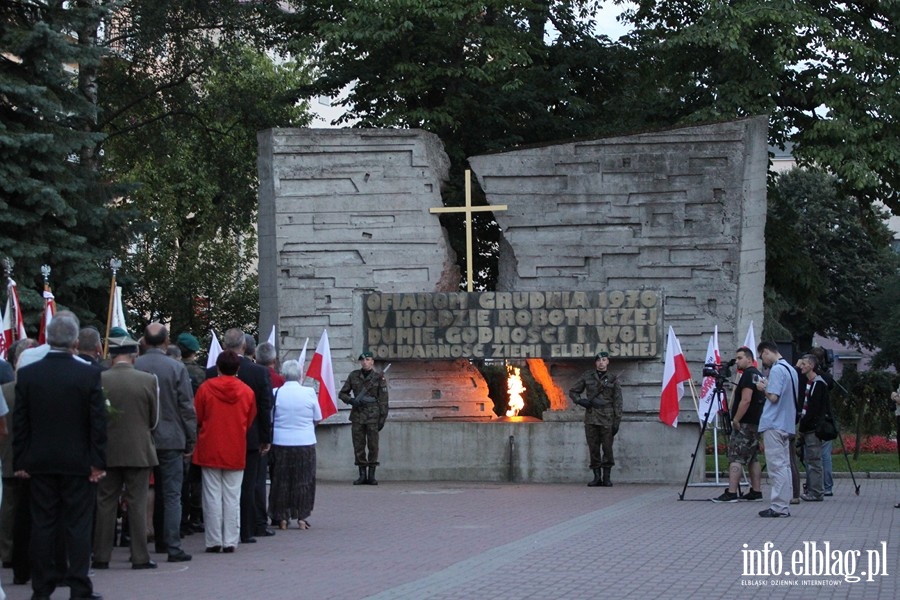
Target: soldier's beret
[188,341]
[366,354]
[601,355]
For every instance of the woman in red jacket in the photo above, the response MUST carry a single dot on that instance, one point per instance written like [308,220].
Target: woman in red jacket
[225,408]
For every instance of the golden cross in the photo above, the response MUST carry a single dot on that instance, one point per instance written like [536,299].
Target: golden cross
[468,209]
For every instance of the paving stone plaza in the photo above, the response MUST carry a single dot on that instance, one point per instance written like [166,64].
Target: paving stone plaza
[408,540]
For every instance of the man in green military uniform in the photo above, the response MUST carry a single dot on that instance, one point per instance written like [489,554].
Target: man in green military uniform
[190,346]
[603,403]
[366,391]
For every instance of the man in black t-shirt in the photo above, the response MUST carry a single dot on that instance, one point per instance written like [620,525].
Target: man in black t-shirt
[743,447]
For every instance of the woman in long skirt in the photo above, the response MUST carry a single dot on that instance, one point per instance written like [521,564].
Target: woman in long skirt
[295,414]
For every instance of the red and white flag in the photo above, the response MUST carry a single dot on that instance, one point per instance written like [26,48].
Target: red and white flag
[675,374]
[49,311]
[13,327]
[321,370]
[708,405]
[750,342]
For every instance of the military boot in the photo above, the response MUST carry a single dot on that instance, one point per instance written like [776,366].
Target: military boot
[362,477]
[371,479]
[596,481]
[606,482]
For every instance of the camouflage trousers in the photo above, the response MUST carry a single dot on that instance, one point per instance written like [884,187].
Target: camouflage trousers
[743,445]
[600,445]
[365,436]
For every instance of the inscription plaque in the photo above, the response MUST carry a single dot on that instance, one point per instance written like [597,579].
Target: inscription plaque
[498,325]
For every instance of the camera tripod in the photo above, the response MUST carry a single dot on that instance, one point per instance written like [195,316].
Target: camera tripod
[718,394]
[841,438]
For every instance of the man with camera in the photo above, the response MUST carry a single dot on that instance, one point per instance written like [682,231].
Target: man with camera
[743,445]
[603,404]
[778,425]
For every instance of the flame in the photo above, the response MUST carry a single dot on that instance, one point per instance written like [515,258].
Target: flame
[516,389]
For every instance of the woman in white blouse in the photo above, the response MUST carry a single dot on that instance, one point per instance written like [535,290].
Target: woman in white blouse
[295,413]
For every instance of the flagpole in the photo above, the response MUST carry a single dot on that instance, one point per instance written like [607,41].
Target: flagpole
[13,297]
[114,264]
[45,271]
[694,396]
[7,272]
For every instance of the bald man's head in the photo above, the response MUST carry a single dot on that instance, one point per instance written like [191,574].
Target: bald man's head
[156,335]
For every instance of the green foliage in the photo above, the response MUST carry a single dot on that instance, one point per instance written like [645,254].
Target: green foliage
[868,405]
[54,205]
[193,167]
[827,259]
[825,73]
[483,76]
[888,342]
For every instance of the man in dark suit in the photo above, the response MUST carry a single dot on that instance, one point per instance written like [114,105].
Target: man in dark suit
[131,454]
[59,443]
[259,435]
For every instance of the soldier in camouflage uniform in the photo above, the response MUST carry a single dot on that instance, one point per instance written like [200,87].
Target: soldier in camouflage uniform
[369,400]
[603,403]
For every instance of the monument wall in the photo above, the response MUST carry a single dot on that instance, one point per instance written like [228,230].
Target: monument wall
[344,213]
[681,213]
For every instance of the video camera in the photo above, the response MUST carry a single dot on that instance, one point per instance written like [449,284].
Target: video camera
[722,373]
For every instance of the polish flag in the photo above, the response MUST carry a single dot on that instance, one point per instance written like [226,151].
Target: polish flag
[750,342]
[49,311]
[13,327]
[321,370]
[271,339]
[708,401]
[215,349]
[675,374]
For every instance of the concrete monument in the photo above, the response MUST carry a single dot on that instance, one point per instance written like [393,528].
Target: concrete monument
[605,242]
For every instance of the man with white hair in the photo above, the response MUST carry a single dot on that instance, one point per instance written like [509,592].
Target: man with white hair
[59,443]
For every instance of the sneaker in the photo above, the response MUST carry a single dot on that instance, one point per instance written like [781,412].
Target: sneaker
[752,496]
[769,513]
[795,500]
[726,497]
[811,498]
[829,494]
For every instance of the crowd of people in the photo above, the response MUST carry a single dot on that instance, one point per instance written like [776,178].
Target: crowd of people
[784,411]
[146,447]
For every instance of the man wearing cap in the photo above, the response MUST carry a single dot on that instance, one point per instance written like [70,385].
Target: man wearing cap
[366,391]
[130,453]
[603,403]
[190,346]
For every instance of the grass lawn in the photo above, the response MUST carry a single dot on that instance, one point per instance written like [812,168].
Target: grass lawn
[878,455]
[887,463]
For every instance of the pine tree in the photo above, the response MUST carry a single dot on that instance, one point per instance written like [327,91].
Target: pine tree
[54,208]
